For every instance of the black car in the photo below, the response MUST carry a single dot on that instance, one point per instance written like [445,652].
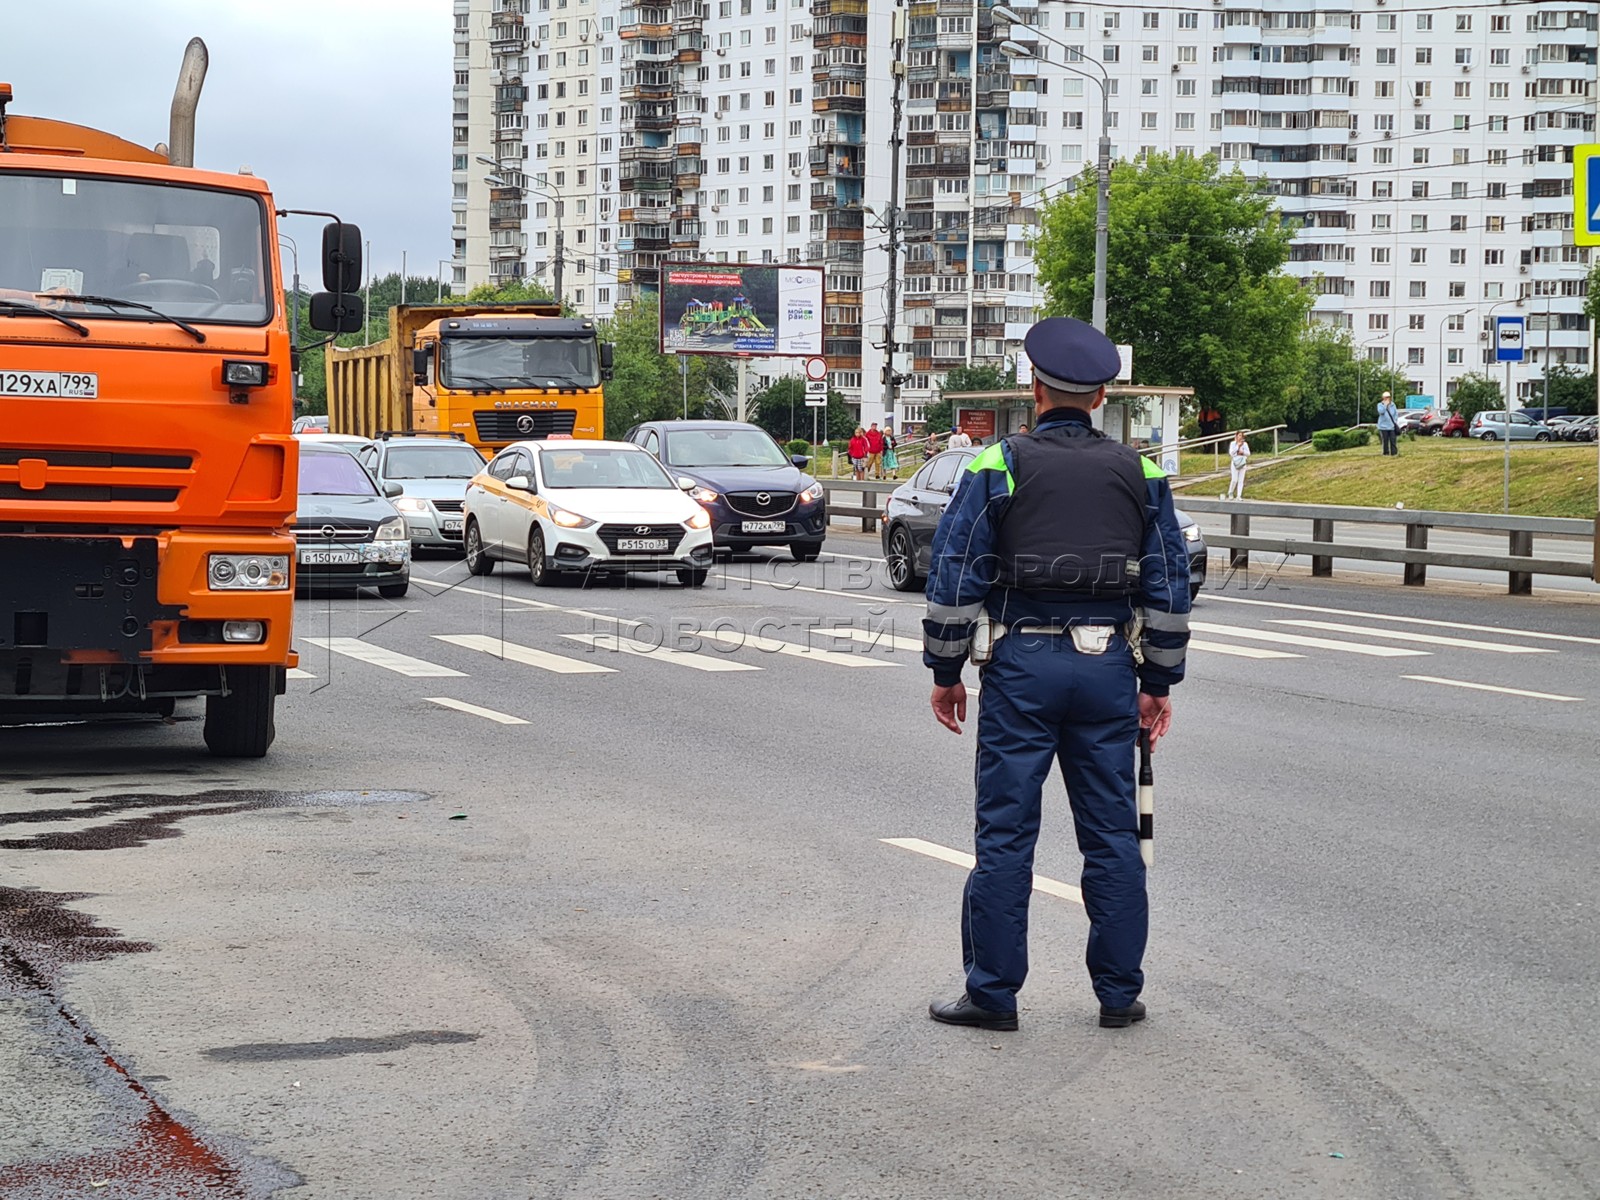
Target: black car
[913,510]
[756,495]
[348,534]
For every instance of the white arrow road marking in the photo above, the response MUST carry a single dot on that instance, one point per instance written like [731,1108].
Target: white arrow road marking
[1041,883]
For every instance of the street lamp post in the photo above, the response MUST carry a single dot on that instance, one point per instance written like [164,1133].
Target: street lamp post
[546,189]
[1361,377]
[1102,80]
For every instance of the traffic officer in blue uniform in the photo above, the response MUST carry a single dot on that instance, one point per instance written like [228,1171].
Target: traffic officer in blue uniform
[1060,568]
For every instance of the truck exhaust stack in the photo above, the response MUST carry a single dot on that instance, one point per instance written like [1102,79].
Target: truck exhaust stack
[185,100]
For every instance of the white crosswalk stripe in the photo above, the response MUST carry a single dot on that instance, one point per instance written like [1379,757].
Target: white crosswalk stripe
[1314,643]
[526,655]
[870,637]
[766,645]
[389,660]
[488,714]
[1239,651]
[621,644]
[1425,639]
[297,673]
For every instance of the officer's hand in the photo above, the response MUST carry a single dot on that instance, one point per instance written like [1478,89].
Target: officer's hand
[950,706]
[1155,714]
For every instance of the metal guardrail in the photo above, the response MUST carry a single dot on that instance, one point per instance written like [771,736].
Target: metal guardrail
[871,491]
[1519,563]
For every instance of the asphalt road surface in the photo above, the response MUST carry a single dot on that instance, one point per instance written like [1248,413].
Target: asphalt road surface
[523,906]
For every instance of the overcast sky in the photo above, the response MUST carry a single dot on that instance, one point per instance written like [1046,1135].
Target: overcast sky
[341,105]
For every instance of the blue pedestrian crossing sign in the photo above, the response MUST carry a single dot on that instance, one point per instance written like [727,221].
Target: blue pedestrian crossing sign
[1586,191]
[1508,338]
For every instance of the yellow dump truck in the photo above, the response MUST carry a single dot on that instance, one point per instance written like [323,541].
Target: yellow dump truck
[494,375]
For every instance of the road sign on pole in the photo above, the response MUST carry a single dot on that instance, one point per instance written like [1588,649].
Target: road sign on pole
[1508,338]
[816,370]
[1586,195]
[816,393]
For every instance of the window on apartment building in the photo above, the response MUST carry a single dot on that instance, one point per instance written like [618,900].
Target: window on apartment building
[1147,120]
[793,192]
[766,224]
[767,194]
[1458,256]
[1419,255]
[1382,189]
[722,229]
[1493,291]
[1380,254]
[1147,87]
[1496,158]
[1499,24]
[1378,322]
[1494,224]
[1186,54]
[744,70]
[1072,20]
[1380,222]
[1419,289]
[1185,88]
[1419,223]
[743,226]
[1152,20]
[1385,56]
[1383,89]
[1499,56]
[1422,89]
[1183,121]
[796,95]
[1378,289]
[1383,155]
[1149,54]
[1110,54]
[1414,355]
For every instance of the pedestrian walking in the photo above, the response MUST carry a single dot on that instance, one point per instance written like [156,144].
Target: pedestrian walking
[930,447]
[1389,426]
[1058,567]
[875,451]
[858,453]
[891,456]
[1238,460]
[1023,428]
[959,439]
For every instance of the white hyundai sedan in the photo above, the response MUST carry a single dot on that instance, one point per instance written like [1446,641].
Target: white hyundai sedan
[579,507]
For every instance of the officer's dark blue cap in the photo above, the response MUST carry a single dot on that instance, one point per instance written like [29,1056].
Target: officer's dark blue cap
[1071,356]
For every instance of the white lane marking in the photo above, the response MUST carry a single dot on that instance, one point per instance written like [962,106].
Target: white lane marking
[766,645]
[1041,883]
[618,643]
[1406,635]
[297,673]
[852,557]
[389,660]
[868,638]
[1315,643]
[499,718]
[526,655]
[1372,616]
[1488,687]
[1240,651]
[432,583]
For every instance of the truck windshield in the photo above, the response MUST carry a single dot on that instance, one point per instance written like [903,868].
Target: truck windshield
[520,362]
[194,253]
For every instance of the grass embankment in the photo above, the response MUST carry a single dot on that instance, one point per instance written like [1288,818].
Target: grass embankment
[1449,475]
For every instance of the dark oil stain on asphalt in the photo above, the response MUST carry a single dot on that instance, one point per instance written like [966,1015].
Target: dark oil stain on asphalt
[155,1155]
[337,1047]
[144,817]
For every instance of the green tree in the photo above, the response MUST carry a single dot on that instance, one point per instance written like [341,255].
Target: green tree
[1334,387]
[941,414]
[1476,393]
[515,291]
[780,408]
[647,385]
[1193,280]
[1568,390]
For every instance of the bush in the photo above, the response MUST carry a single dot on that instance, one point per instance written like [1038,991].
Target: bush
[1328,439]
[798,446]
[1357,437]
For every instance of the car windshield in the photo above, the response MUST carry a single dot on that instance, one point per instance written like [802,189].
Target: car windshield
[601,467]
[447,461]
[520,362]
[723,448]
[325,473]
[188,252]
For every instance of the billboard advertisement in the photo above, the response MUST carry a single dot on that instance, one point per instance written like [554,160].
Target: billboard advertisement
[976,423]
[741,309]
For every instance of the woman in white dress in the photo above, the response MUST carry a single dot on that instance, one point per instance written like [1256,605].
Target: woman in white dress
[1238,460]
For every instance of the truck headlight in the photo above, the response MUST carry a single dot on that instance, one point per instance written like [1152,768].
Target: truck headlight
[247,572]
[392,530]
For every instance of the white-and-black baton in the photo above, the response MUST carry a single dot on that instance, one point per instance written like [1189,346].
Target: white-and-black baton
[1147,802]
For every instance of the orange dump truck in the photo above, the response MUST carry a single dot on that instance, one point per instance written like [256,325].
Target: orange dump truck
[147,473]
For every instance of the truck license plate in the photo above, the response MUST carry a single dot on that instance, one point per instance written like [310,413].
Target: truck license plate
[763,527]
[28,384]
[641,543]
[327,558]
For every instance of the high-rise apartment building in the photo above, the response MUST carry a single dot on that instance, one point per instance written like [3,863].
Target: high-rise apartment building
[1423,153]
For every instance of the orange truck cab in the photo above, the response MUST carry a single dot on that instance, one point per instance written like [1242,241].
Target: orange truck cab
[147,472]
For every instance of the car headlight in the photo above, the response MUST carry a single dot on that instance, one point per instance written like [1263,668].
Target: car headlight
[411,504]
[392,530]
[568,520]
[704,494]
[1191,533]
[701,520]
[247,572]
[812,494]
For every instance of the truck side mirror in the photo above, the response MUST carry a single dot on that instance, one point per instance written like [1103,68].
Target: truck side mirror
[421,358]
[607,359]
[341,257]
[332,313]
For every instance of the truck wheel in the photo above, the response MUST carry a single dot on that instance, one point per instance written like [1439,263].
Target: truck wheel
[240,724]
[478,560]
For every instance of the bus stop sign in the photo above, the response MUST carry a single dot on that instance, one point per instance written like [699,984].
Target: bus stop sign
[1586,195]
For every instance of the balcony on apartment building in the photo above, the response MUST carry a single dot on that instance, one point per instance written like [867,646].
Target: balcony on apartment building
[686,172]
[653,83]
[655,116]
[660,153]
[655,52]
[847,223]
[836,194]
[839,8]
[842,166]
[690,14]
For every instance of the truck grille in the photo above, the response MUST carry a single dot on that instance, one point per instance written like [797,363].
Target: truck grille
[611,534]
[131,476]
[501,426]
[760,504]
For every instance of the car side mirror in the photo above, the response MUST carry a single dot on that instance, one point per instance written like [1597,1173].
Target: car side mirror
[393,489]
[687,484]
[800,460]
[421,363]
[520,483]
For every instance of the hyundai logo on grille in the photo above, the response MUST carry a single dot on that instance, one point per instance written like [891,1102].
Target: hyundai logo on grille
[329,532]
[525,424]
[763,498]
[641,529]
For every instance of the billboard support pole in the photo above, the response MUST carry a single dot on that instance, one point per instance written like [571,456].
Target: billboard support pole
[683,364]
[744,384]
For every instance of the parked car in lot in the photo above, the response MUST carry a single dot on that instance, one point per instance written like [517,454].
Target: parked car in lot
[1453,425]
[911,515]
[567,508]
[1577,429]
[756,494]
[1411,420]
[347,533]
[1491,426]
[434,470]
